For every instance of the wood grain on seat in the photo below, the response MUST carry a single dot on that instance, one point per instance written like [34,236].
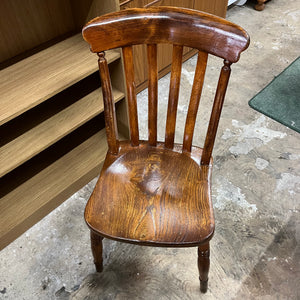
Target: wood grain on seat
[153,195]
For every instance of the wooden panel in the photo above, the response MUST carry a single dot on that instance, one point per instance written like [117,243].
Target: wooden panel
[134,3]
[216,7]
[39,77]
[36,197]
[51,130]
[140,65]
[85,10]
[25,24]
[127,3]
[153,3]
[177,3]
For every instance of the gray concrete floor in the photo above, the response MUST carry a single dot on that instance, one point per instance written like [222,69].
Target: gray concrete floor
[256,192]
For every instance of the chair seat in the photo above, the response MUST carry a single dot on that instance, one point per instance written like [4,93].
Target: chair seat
[153,196]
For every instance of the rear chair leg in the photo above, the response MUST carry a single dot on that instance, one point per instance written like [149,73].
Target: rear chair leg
[96,244]
[203,266]
[260,5]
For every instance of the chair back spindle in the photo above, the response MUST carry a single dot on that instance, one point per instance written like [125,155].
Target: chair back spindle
[152,93]
[109,107]
[165,25]
[173,96]
[131,94]
[194,101]
[216,112]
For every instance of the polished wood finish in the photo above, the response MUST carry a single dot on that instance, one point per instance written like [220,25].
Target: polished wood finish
[216,113]
[149,27]
[96,241]
[194,101]
[109,106]
[203,266]
[159,193]
[145,198]
[260,5]
[173,95]
[131,94]
[152,93]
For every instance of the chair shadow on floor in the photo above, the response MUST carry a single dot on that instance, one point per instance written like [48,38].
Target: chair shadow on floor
[134,272]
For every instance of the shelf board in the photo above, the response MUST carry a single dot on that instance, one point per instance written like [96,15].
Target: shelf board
[40,137]
[36,197]
[41,76]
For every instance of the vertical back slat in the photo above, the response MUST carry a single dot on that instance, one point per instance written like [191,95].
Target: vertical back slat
[152,93]
[131,94]
[194,101]
[173,95]
[216,112]
[109,106]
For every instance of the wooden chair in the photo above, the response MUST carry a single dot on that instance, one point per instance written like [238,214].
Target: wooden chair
[158,193]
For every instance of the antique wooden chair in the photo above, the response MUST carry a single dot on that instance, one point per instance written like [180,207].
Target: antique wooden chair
[158,193]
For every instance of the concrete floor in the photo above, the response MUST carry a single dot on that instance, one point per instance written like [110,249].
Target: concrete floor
[256,192]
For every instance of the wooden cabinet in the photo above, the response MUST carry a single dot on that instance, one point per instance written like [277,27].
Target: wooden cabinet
[217,7]
[52,137]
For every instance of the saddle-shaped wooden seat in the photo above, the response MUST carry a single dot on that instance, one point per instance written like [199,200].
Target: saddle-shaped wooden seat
[153,195]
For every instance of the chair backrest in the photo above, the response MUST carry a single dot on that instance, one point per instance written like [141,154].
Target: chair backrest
[180,27]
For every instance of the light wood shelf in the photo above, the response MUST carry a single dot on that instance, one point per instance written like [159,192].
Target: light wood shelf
[40,137]
[29,202]
[43,75]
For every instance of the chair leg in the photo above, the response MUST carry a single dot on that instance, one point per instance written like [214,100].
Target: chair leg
[260,5]
[203,266]
[96,245]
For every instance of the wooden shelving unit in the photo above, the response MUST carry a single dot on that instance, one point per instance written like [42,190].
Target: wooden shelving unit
[43,75]
[39,194]
[52,136]
[46,133]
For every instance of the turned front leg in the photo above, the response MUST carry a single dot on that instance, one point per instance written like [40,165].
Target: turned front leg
[203,266]
[96,245]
